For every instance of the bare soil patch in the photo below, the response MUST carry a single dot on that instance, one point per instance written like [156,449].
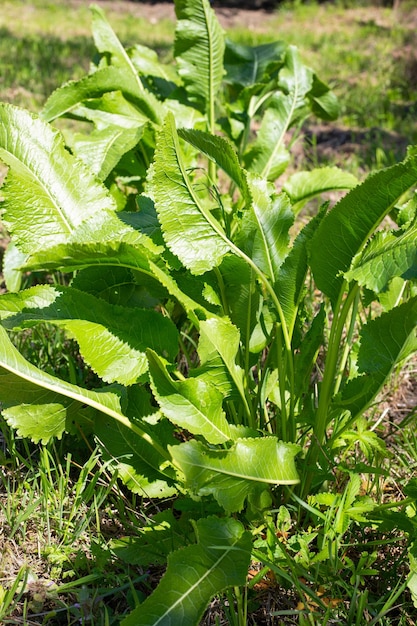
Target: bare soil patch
[229,17]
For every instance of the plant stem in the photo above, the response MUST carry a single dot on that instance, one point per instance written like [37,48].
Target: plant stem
[281,383]
[328,383]
[347,343]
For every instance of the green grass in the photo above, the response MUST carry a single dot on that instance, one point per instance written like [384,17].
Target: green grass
[59,511]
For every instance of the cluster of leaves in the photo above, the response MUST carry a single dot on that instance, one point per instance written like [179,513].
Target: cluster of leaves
[188,297]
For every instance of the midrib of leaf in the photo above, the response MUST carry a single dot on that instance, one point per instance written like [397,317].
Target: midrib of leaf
[220,470]
[196,584]
[211,69]
[277,147]
[265,246]
[31,174]
[255,66]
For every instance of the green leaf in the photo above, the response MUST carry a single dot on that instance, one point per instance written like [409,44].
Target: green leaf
[222,152]
[302,186]
[232,475]
[103,149]
[105,239]
[195,574]
[295,78]
[147,63]
[107,401]
[268,155]
[388,255]
[42,388]
[266,227]
[189,229]
[107,42]
[345,230]
[193,404]
[123,334]
[111,109]
[199,50]
[13,259]
[107,79]
[290,284]
[306,356]
[38,413]
[44,204]
[139,465]
[247,65]
[323,101]
[163,534]
[116,285]
[218,349]
[412,579]
[194,309]
[383,343]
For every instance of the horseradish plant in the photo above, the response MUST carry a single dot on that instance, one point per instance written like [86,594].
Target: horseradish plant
[189,298]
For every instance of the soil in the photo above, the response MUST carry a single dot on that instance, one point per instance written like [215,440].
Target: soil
[156,11]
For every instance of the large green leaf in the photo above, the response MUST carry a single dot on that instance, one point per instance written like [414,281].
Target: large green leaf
[387,255]
[193,404]
[290,284]
[323,101]
[40,413]
[199,50]
[111,109]
[47,193]
[266,227]
[147,63]
[218,349]
[38,387]
[107,401]
[138,464]
[344,232]
[123,334]
[189,229]
[105,239]
[302,186]
[234,474]
[247,65]
[305,357]
[383,343]
[195,574]
[107,43]
[222,152]
[243,296]
[268,155]
[101,150]
[107,79]
[116,285]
